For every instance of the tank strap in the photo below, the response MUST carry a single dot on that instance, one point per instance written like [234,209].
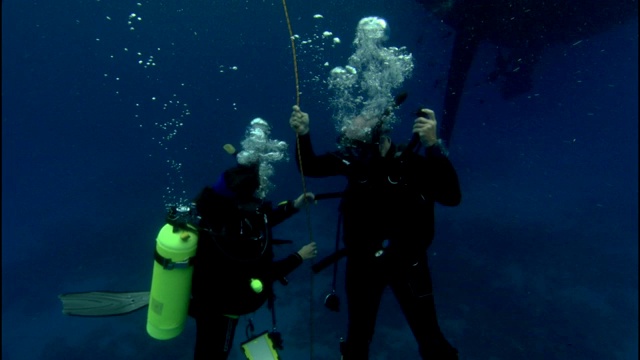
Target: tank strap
[167,264]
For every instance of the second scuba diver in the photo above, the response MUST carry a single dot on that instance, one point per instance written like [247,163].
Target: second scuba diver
[388,223]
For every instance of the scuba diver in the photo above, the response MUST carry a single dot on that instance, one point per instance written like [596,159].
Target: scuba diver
[214,259]
[234,269]
[387,214]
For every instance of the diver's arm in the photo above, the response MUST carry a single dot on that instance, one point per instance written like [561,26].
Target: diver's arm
[443,179]
[288,208]
[313,165]
[307,161]
[282,268]
[281,212]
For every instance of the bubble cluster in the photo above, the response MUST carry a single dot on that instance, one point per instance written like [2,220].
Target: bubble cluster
[312,56]
[222,68]
[161,114]
[362,90]
[258,148]
[174,113]
[133,17]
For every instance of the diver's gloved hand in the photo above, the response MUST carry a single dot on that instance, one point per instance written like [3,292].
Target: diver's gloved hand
[308,251]
[425,126]
[299,121]
[302,199]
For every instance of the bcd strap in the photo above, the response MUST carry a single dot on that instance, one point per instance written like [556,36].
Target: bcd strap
[167,264]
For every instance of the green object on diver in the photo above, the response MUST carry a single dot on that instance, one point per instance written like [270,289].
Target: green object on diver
[103,303]
[256,285]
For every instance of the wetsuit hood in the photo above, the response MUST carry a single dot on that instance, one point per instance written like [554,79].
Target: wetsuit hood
[240,181]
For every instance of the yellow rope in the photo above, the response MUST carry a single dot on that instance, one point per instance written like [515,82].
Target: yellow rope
[304,186]
[293,50]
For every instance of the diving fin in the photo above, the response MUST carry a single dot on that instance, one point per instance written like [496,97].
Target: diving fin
[103,303]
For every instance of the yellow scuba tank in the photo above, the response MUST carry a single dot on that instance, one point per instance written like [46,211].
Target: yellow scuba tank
[172,272]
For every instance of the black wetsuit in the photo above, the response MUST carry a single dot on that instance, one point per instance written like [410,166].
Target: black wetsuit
[234,247]
[388,217]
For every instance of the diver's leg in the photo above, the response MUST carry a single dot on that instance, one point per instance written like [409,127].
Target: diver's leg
[414,292]
[214,336]
[364,291]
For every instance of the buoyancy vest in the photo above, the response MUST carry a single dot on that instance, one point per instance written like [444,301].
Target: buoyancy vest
[235,249]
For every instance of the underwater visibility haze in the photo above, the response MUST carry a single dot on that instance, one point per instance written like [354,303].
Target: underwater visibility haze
[114,111]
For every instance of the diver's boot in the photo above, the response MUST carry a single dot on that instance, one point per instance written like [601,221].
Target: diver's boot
[354,351]
[439,350]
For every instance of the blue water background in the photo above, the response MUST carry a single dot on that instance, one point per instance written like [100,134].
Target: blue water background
[104,122]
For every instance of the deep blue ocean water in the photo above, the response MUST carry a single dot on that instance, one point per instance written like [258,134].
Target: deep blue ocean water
[112,109]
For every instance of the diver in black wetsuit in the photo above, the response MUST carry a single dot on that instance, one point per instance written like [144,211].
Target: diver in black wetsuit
[388,217]
[234,268]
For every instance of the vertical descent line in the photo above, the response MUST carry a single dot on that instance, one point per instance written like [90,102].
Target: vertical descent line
[304,187]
